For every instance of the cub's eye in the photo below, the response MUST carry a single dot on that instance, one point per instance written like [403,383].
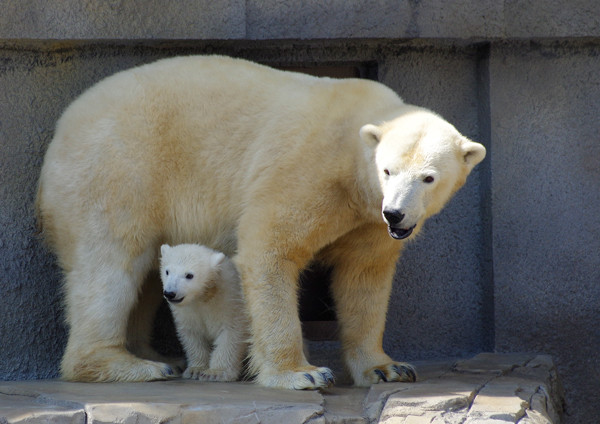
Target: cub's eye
[167,271]
[429,179]
[189,276]
[386,171]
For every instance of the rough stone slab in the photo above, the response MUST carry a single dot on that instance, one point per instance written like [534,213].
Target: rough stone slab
[428,399]
[496,363]
[502,399]
[165,401]
[345,405]
[23,409]
[426,371]
[488,388]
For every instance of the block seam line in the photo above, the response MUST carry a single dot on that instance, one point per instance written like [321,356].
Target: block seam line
[475,394]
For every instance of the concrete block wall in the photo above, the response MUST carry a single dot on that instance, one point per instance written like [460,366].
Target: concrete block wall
[512,264]
[545,198]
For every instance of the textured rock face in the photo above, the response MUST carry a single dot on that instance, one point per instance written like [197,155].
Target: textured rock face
[487,388]
[490,388]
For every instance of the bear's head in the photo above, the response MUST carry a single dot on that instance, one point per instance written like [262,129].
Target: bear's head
[421,161]
[189,272]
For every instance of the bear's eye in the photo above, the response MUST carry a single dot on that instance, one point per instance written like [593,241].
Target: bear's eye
[386,172]
[167,271]
[189,276]
[428,179]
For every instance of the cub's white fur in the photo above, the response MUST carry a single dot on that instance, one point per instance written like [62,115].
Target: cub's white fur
[203,290]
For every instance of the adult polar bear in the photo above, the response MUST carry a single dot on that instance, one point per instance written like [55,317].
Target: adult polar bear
[276,169]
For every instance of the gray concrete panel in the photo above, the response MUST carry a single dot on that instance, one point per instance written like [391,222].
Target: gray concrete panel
[35,87]
[122,19]
[439,306]
[546,196]
[312,19]
[277,19]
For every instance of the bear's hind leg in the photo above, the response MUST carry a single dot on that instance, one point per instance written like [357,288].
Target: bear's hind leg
[101,291]
[141,324]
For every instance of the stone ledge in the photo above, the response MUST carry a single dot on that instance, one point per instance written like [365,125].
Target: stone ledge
[490,388]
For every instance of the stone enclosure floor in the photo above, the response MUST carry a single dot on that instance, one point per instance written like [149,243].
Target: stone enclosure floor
[488,388]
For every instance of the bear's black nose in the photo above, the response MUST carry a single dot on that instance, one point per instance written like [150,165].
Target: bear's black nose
[393,216]
[169,295]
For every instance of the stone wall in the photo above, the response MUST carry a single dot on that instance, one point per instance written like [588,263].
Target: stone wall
[512,264]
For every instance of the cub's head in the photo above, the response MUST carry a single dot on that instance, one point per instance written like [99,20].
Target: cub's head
[421,161]
[189,272]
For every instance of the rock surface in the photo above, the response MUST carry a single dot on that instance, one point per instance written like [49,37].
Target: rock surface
[490,388]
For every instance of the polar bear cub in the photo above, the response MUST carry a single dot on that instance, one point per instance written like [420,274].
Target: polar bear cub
[202,287]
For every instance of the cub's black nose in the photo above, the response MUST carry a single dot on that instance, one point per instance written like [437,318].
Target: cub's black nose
[169,295]
[393,216]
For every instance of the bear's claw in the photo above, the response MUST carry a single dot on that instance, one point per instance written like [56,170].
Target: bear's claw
[394,371]
[306,378]
[309,378]
[328,377]
[381,375]
[406,370]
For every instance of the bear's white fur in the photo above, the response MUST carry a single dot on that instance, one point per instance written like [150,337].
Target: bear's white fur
[275,169]
[204,294]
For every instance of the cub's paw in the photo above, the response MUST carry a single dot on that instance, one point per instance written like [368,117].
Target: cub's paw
[147,352]
[193,373]
[218,375]
[394,371]
[178,365]
[306,378]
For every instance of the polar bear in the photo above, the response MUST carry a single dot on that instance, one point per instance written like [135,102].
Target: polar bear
[274,168]
[204,294]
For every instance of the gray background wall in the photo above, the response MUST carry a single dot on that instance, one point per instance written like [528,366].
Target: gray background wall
[512,264]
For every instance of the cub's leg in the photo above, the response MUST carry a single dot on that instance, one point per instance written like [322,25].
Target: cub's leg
[197,352]
[226,358]
[364,263]
[101,291]
[270,289]
[192,335]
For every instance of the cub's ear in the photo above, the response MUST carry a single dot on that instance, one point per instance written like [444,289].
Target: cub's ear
[217,259]
[472,152]
[164,248]
[370,134]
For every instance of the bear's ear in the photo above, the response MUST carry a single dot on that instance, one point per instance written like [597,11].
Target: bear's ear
[217,259]
[370,134]
[472,152]
[164,248]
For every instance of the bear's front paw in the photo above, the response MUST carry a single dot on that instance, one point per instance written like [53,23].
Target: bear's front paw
[394,371]
[306,378]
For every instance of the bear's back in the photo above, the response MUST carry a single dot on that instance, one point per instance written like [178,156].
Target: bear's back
[167,127]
